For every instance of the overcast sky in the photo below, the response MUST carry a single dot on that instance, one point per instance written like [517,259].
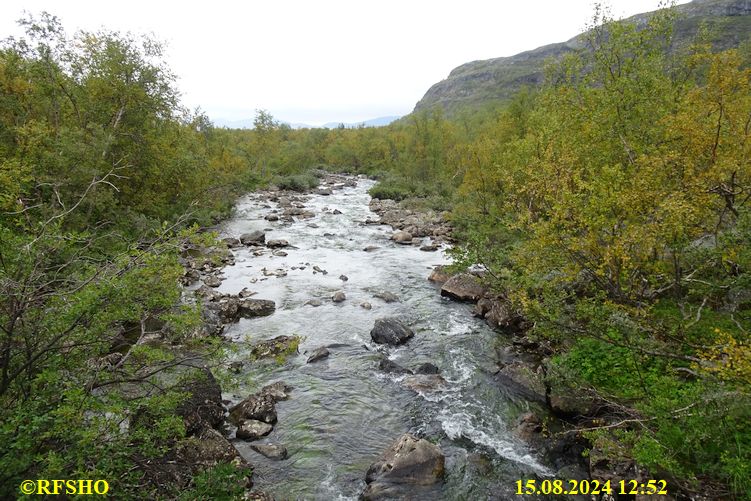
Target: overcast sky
[327,60]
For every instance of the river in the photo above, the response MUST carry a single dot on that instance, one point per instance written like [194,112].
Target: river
[343,411]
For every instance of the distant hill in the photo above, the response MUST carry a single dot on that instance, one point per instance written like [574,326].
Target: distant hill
[373,122]
[248,123]
[479,83]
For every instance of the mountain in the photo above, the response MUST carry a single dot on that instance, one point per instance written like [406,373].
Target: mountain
[479,83]
[373,122]
[248,123]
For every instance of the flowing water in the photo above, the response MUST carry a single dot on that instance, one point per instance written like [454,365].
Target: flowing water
[344,411]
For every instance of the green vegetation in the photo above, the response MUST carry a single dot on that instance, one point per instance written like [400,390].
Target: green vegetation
[610,205]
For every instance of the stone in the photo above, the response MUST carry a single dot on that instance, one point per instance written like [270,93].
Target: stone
[392,367]
[280,345]
[251,429]
[430,247]
[427,368]
[463,287]
[409,461]
[212,281]
[277,243]
[259,407]
[251,308]
[253,238]
[272,217]
[318,354]
[277,391]
[424,382]
[314,302]
[388,297]
[318,269]
[439,275]
[402,237]
[338,297]
[370,248]
[390,331]
[232,242]
[528,426]
[343,278]
[365,305]
[271,451]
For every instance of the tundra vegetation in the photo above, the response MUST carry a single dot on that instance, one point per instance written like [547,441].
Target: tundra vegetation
[610,205]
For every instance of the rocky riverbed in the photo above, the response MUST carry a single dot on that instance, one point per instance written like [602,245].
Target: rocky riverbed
[353,346]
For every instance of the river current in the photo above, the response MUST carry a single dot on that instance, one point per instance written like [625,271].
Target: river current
[343,411]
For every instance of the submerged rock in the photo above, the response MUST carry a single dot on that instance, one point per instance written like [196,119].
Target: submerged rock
[424,382]
[427,368]
[271,451]
[388,297]
[318,354]
[390,331]
[338,297]
[392,367]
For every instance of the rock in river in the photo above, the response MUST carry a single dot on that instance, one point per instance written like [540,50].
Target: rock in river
[280,345]
[409,461]
[250,308]
[251,429]
[463,287]
[318,354]
[275,244]
[402,237]
[253,238]
[338,297]
[390,331]
[271,451]
[259,407]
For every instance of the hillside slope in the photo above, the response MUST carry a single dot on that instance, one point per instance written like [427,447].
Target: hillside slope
[478,83]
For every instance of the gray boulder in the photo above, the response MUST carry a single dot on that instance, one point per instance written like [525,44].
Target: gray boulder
[390,331]
[253,238]
[408,462]
[463,287]
[251,308]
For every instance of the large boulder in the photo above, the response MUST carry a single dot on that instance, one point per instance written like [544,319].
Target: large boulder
[402,237]
[499,313]
[390,331]
[463,287]
[259,407]
[408,462]
[439,275]
[202,405]
[253,238]
[251,308]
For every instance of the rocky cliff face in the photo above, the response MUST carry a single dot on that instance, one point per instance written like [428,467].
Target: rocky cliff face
[478,83]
